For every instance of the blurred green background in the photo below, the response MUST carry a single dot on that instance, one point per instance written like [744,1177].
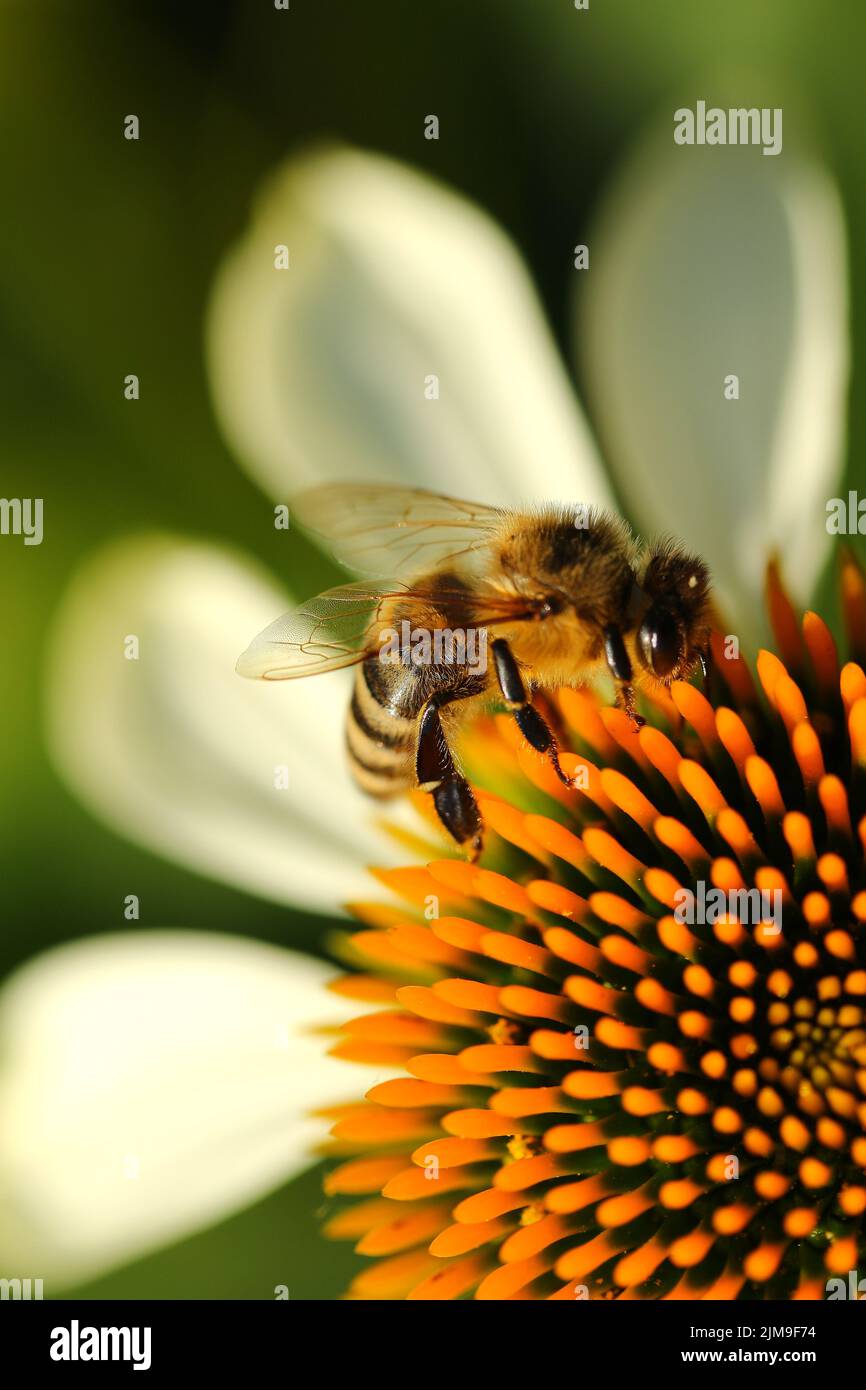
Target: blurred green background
[107,252]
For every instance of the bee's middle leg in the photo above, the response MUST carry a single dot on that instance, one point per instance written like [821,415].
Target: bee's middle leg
[531,724]
[453,797]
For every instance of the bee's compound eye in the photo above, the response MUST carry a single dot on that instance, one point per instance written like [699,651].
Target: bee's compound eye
[660,641]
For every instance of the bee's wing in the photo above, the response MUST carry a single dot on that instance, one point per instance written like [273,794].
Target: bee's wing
[323,634]
[339,627]
[376,529]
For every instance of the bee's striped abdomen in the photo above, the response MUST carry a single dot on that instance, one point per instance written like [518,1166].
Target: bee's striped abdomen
[381,727]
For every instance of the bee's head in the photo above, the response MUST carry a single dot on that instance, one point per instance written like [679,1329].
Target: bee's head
[674,629]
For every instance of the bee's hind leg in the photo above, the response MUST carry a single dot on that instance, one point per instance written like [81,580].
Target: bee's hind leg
[458,811]
[530,723]
[453,797]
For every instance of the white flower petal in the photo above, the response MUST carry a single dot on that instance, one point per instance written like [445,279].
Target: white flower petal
[709,262]
[151,1083]
[318,371]
[177,751]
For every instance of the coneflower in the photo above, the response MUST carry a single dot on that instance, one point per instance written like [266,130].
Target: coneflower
[607,1094]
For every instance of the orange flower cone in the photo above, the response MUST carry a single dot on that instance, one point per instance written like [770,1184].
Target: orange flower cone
[606,1096]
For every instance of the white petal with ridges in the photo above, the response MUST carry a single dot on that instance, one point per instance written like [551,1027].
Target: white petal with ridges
[150,1084]
[318,371]
[178,752]
[709,262]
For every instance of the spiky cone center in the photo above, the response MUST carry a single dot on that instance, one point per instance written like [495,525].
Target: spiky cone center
[599,1092]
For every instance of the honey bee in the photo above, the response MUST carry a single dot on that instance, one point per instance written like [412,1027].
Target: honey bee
[558,594]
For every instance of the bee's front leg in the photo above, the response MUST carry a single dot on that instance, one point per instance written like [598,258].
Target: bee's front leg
[704,657]
[619,666]
[625,700]
[530,723]
[453,797]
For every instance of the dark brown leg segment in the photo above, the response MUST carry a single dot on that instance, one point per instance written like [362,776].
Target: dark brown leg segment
[530,723]
[620,668]
[453,798]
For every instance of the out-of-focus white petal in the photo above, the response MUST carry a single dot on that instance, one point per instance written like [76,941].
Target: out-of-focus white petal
[710,262]
[177,751]
[318,372]
[151,1083]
